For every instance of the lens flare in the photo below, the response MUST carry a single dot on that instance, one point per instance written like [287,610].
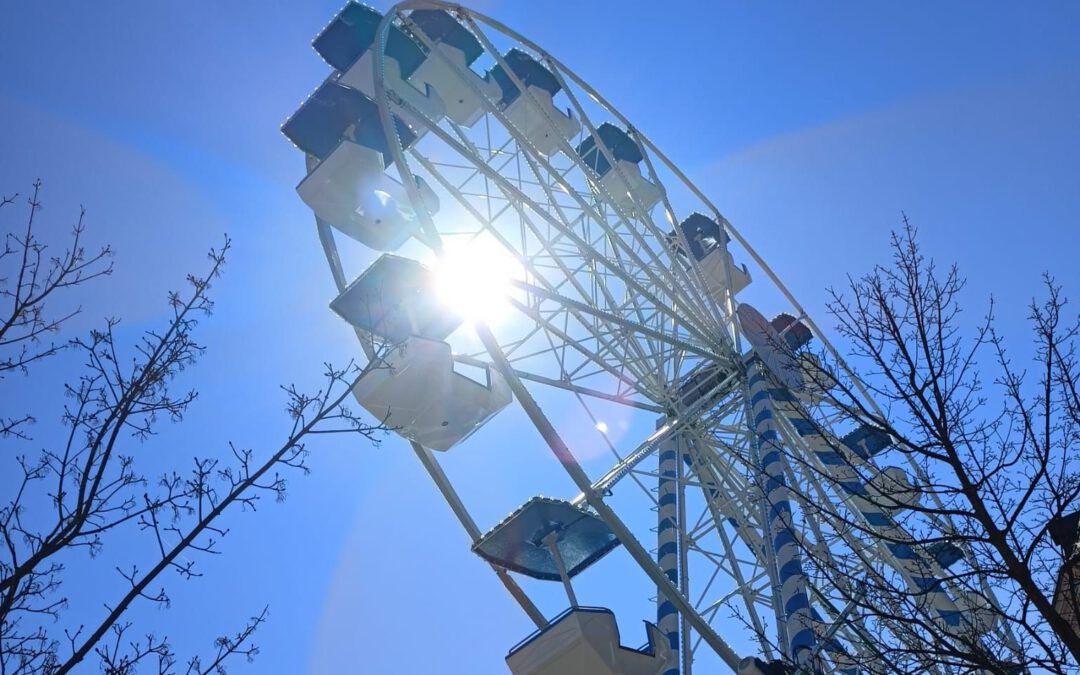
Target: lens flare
[474,279]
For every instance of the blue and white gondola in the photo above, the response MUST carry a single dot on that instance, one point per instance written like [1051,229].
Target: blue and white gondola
[346,46]
[452,50]
[531,109]
[622,181]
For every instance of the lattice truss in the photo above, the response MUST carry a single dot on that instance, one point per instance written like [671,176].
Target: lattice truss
[631,291]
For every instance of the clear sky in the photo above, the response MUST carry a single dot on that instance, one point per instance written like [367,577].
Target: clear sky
[811,125]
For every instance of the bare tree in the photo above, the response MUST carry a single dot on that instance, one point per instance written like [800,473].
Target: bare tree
[76,497]
[959,570]
[29,277]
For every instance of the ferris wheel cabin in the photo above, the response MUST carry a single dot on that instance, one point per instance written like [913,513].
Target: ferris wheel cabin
[585,641]
[392,299]
[533,110]
[553,540]
[623,181]
[414,388]
[416,391]
[447,69]
[345,45]
[708,245]
[348,187]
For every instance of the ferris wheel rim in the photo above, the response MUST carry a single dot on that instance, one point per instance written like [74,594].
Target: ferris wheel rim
[386,117]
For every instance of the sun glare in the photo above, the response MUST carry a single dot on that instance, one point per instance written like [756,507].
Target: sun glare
[474,279]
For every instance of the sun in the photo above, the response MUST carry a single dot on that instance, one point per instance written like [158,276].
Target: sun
[475,279]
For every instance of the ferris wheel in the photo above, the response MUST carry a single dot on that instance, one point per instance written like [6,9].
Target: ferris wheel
[534,245]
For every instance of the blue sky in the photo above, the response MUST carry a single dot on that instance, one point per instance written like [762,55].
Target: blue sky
[811,125]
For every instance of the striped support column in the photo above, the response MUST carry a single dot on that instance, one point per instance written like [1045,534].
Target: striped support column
[798,624]
[840,464]
[667,552]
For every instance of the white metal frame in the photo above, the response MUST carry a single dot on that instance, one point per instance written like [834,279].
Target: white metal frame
[611,302]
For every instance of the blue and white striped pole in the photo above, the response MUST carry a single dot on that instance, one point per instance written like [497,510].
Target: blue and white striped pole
[840,465]
[667,551]
[798,627]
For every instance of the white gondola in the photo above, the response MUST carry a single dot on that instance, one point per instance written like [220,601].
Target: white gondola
[532,112]
[416,391]
[448,73]
[447,70]
[818,379]
[979,612]
[544,125]
[426,102]
[708,245]
[769,346]
[718,266]
[394,299]
[585,641]
[345,44]
[628,189]
[351,190]
[896,488]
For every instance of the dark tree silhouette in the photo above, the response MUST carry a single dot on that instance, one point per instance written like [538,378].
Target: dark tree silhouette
[74,498]
[29,277]
[988,442]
